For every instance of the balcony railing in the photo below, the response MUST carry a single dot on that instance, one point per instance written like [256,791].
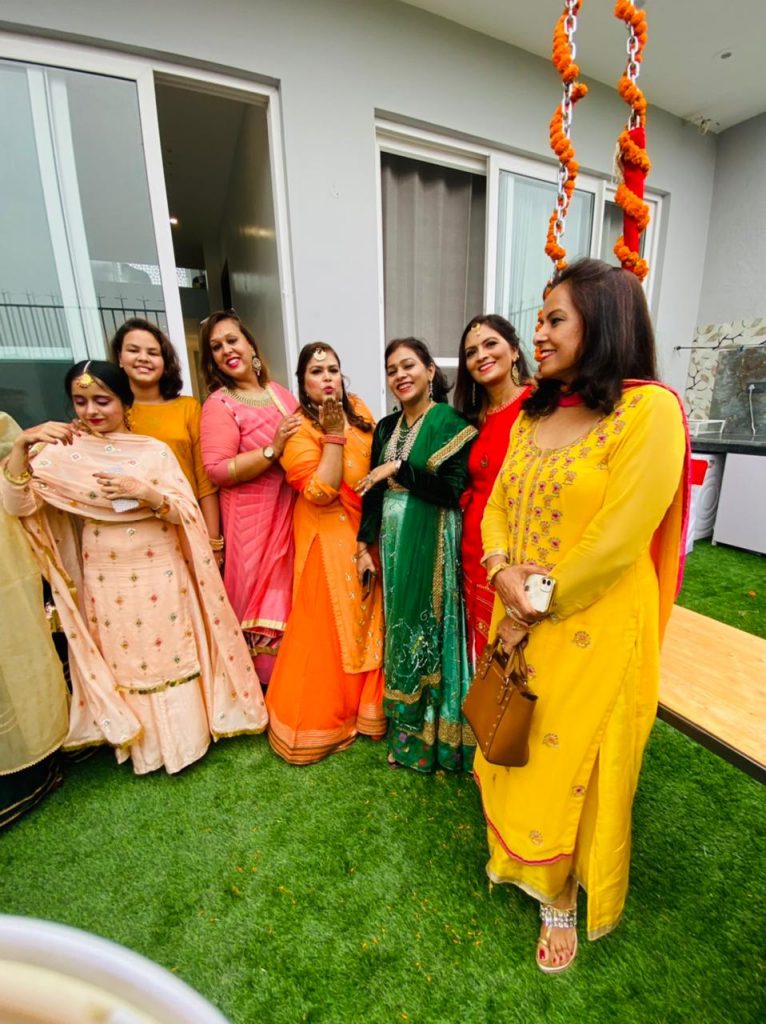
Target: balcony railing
[32,330]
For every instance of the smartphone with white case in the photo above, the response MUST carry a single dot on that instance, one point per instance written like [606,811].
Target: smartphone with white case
[539,590]
[123,504]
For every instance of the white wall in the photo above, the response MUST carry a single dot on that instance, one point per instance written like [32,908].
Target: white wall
[337,63]
[735,280]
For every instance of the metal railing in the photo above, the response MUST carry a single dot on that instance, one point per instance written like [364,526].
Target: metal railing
[34,330]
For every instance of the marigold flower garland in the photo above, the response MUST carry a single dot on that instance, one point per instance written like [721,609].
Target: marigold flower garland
[560,142]
[632,160]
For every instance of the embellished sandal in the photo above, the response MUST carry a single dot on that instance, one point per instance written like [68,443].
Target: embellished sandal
[554,918]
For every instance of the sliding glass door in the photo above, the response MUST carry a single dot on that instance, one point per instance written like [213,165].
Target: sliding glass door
[79,253]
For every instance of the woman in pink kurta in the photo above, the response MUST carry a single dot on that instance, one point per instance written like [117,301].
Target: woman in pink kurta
[245,423]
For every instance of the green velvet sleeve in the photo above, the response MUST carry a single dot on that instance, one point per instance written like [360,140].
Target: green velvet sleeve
[372,502]
[444,487]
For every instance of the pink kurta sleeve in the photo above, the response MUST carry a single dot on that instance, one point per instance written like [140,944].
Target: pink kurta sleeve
[220,439]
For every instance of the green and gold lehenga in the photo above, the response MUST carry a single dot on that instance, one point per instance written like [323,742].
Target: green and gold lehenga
[416,518]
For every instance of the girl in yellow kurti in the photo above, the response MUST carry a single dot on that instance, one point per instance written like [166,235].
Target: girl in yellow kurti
[591,494]
[147,356]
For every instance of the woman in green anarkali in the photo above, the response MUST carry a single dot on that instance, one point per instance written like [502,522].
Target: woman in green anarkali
[411,507]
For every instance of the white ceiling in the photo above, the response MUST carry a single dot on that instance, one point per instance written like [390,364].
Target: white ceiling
[683,72]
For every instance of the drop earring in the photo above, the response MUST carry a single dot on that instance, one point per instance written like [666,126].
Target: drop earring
[515,375]
[473,394]
[257,365]
[431,390]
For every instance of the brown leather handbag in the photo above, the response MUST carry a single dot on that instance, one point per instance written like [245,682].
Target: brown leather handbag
[499,705]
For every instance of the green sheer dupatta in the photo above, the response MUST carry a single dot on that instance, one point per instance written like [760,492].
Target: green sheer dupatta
[421,579]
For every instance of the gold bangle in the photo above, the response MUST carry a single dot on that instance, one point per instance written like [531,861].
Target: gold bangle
[17,481]
[216,543]
[162,509]
[233,470]
[491,573]
[492,554]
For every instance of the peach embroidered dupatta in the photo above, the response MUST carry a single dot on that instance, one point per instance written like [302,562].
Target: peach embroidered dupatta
[61,491]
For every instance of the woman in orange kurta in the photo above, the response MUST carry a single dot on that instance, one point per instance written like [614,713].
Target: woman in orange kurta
[327,684]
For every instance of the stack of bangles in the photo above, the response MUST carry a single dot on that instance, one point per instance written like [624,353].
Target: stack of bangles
[334,439]
[216,543]
[17,481]
[162,509]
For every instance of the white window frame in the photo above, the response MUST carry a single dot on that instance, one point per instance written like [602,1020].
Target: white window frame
[145,72]
[449,151]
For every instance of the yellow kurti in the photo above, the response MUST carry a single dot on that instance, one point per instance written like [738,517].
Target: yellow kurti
[590,512]
[177,423]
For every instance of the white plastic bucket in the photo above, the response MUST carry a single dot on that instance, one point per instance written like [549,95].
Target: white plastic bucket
[59,975]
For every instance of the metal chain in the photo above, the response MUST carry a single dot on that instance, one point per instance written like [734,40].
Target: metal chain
[567,107]
[633,69]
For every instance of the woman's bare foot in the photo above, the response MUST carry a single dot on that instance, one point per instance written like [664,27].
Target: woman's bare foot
[557,945]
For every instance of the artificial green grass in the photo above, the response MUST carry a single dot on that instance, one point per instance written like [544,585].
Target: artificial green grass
[726,584]
[345,892]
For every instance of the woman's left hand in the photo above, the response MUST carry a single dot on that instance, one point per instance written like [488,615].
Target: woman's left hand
[115,485]
[375,476]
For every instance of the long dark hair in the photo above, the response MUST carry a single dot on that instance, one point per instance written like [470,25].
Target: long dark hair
[441,387]
[171,380]
[617,337]
[112,377]
[310,409]
[215,377]
[471,399]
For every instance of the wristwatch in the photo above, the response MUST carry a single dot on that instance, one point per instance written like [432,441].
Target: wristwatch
[269,453]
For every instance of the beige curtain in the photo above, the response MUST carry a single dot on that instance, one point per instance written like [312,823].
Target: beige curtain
[433,250]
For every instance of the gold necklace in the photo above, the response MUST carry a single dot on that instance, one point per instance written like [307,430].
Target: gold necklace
[259,400]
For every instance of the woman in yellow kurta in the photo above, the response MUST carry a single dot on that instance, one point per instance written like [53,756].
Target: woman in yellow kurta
[327,684]
[591,493]
[147,356]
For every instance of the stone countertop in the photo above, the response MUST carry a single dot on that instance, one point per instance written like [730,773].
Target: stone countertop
[735,444]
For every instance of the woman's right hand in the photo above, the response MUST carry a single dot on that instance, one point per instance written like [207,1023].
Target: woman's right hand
[285,430]
[509,584]
[331,416]
[365,561]
[51,432]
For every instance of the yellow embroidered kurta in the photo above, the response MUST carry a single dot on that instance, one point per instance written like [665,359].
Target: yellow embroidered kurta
[594,513]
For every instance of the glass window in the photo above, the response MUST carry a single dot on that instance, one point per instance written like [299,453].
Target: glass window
[76,224]
[523,269]
[433,250]
[611,231]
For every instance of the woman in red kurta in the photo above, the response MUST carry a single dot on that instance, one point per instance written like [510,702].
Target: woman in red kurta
[490,388]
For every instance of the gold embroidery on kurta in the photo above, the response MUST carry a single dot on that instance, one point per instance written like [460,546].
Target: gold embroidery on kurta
[451,448]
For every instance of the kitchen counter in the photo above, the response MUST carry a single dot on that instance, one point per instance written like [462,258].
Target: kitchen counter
[734,444]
